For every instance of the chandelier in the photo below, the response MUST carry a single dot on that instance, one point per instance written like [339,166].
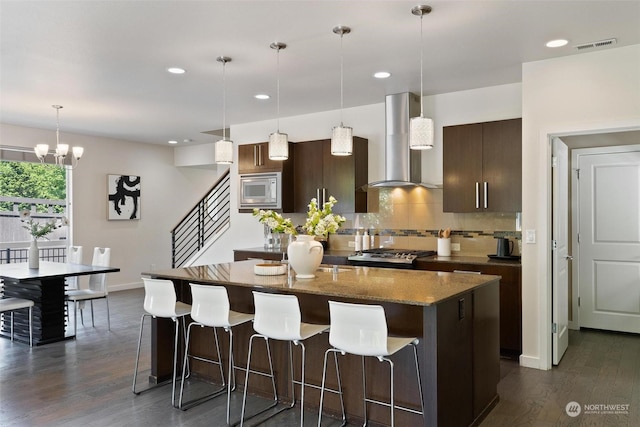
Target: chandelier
[62,150]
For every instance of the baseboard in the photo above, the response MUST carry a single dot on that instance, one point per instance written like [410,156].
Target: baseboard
[530,362]
[125,286]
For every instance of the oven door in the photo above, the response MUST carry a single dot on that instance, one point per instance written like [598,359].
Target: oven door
[261,190]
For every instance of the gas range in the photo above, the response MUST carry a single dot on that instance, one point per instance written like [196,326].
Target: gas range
[388,257]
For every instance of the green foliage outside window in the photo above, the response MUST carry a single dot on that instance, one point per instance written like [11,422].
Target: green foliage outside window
[32,180]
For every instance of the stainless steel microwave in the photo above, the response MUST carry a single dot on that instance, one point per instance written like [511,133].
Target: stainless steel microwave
[261,190]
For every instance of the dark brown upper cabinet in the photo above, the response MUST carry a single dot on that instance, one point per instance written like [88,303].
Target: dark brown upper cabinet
[253,158]
[319,174]
[482,164]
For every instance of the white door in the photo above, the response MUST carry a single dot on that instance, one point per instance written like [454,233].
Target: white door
[609,241]
[561,257]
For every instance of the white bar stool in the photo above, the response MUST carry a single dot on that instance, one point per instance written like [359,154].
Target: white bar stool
[13,304]
[278,317]
[160,301]
[210,308]
[361,329]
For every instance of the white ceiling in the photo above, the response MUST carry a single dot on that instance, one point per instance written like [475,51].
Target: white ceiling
[105,61]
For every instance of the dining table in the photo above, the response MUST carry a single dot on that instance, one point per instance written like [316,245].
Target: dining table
[45,286]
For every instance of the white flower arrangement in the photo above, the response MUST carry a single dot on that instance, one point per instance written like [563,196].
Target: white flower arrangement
[40,230]
[322,222]
[275,221]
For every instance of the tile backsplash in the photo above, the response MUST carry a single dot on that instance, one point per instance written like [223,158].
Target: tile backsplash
[410,219]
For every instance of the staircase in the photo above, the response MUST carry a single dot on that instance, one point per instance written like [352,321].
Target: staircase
[203,225]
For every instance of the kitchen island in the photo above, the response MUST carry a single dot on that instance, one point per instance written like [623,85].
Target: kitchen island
[456,317]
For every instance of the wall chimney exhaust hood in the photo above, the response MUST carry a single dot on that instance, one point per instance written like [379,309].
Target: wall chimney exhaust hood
[403,166]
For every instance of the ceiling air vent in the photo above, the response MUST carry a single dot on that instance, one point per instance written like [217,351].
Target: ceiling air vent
[600,43]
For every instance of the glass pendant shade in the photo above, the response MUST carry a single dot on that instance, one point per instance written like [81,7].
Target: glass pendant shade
[342,141]
[41,150]
[62,150]
[224,151]
[278,146]
[77,152]
[421,133]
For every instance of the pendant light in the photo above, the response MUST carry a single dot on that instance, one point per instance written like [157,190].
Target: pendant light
[341,136]
[278,142]
[224,146]
[421,128]
[62,150]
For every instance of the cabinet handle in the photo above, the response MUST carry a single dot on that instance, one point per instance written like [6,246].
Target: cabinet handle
[486,194]
[255,155]
[260,161]
[324,197]
[318,195]
[466,272]
[477,195]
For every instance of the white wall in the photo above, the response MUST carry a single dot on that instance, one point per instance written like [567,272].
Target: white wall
[589,92]
[492,103]
[167,193]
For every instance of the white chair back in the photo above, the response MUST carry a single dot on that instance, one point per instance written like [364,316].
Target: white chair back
[277,316]
[160,298]
[210,305]
[101,258]
[358,328]
[74,256]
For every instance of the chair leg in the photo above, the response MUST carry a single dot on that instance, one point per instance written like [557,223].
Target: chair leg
[184,364]
[30,327]
[93,323]
[81,312]
[324,377]
[393,405]
[231,374]
[75,318]
[415,355]
[175,361]
[302,369]
[246,379]
[135,369]
[291,375]
[364,392]
[108,317]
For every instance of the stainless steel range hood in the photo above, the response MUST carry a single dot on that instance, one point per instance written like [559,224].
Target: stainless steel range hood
[402,165]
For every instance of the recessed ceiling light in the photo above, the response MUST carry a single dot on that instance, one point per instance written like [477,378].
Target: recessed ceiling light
[173,142]
[382,75]
[176,70]
[262,96]
[557,43]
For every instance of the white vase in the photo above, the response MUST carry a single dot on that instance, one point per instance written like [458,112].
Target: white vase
[305,256]
[34,255]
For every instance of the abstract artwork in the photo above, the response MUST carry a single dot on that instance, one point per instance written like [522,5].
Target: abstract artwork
[124,197]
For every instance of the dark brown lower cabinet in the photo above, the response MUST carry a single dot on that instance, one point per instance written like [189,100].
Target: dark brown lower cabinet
[510,298]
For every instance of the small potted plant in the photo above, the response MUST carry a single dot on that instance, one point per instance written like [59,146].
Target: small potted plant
[38,230]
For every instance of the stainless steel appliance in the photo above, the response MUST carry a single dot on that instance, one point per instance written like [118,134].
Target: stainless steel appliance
[260,190]
[388,257]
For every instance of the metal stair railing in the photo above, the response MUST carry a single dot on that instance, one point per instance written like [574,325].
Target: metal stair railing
[204,221]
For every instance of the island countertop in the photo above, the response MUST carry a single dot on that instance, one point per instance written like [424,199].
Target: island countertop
[411,287]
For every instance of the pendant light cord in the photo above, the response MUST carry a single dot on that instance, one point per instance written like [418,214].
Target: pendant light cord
[421,71]
[278,89]
[57,129]
[224,100]
[341,80]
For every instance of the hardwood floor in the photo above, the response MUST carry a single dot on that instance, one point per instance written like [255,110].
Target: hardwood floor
[87,382]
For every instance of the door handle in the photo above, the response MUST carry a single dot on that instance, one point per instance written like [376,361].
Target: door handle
[486,194]
[477,195]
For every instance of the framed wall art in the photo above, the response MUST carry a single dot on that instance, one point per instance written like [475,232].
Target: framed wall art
[124,197]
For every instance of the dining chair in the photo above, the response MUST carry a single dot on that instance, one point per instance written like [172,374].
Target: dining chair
[97,288]
[13,304]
